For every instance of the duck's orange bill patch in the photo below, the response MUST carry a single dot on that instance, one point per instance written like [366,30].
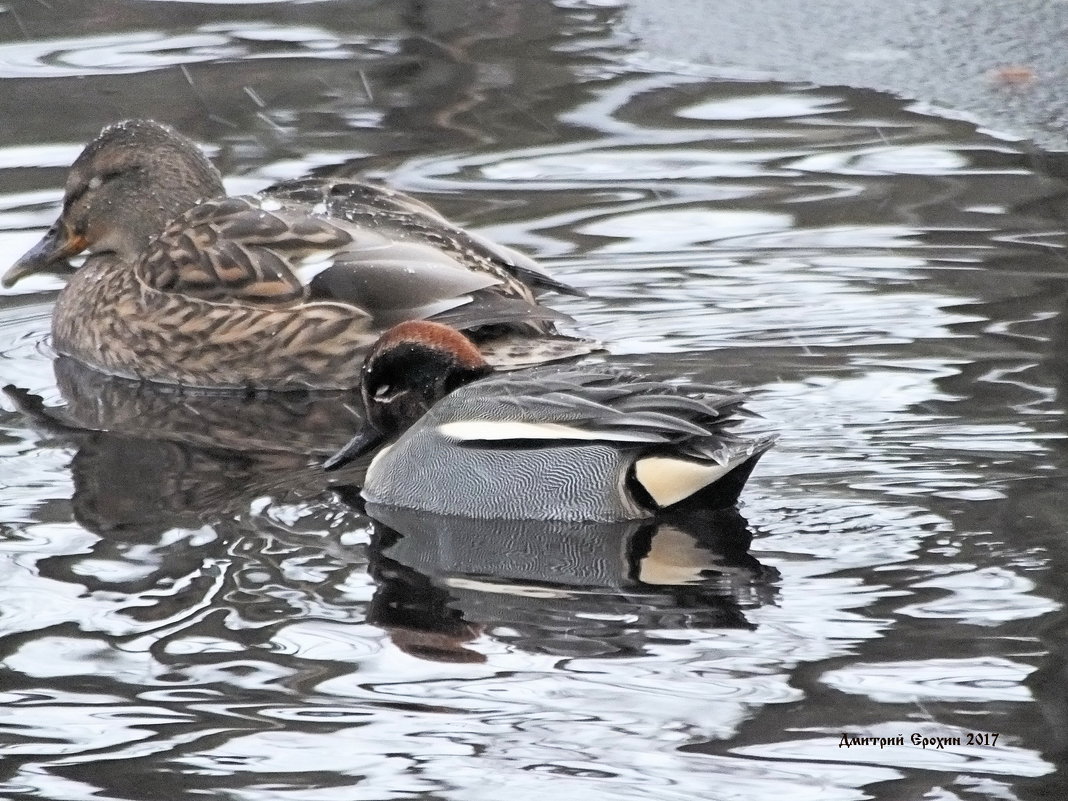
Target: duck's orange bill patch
[73,244]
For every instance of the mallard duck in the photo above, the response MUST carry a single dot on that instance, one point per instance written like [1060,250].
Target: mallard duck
[282,289]
[582,443]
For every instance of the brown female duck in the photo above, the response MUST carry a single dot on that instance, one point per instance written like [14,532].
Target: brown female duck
[282,289]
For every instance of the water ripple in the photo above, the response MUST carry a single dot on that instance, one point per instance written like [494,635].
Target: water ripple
[191,607]
[976,680]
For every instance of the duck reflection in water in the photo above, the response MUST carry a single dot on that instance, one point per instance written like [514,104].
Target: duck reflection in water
[298,423]
[570,589]
[169,482]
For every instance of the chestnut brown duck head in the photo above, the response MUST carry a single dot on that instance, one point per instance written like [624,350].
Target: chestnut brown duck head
[279,290]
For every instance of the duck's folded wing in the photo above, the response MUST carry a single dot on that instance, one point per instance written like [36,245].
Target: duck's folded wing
[520,265]
[409,281]
[351,200]
[488,309]
[263,251]
[244,249]
[259,249]
[729,448]
[408,219]
[375,273]
[586,404]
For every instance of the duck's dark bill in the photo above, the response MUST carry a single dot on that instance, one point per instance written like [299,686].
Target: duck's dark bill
[362,443]
[46,256]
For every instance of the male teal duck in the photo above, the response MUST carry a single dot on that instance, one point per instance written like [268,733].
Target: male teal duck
[278,290]
[580,443]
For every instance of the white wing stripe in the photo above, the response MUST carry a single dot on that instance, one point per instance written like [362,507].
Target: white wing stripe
[497,430]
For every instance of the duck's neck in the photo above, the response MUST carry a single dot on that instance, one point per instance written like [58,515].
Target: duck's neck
[155,212]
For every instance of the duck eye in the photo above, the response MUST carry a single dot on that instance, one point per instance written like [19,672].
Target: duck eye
[98,181]
[383,393]
[91,185]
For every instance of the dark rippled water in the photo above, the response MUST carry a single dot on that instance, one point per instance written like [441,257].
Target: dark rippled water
[189,608]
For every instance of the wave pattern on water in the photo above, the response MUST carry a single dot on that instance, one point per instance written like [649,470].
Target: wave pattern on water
[190,606]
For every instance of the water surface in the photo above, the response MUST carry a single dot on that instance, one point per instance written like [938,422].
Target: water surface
[188,606]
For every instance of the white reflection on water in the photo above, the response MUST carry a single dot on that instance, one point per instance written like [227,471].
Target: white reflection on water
[149,50]
[981,597]
[976,680]
[763,106]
